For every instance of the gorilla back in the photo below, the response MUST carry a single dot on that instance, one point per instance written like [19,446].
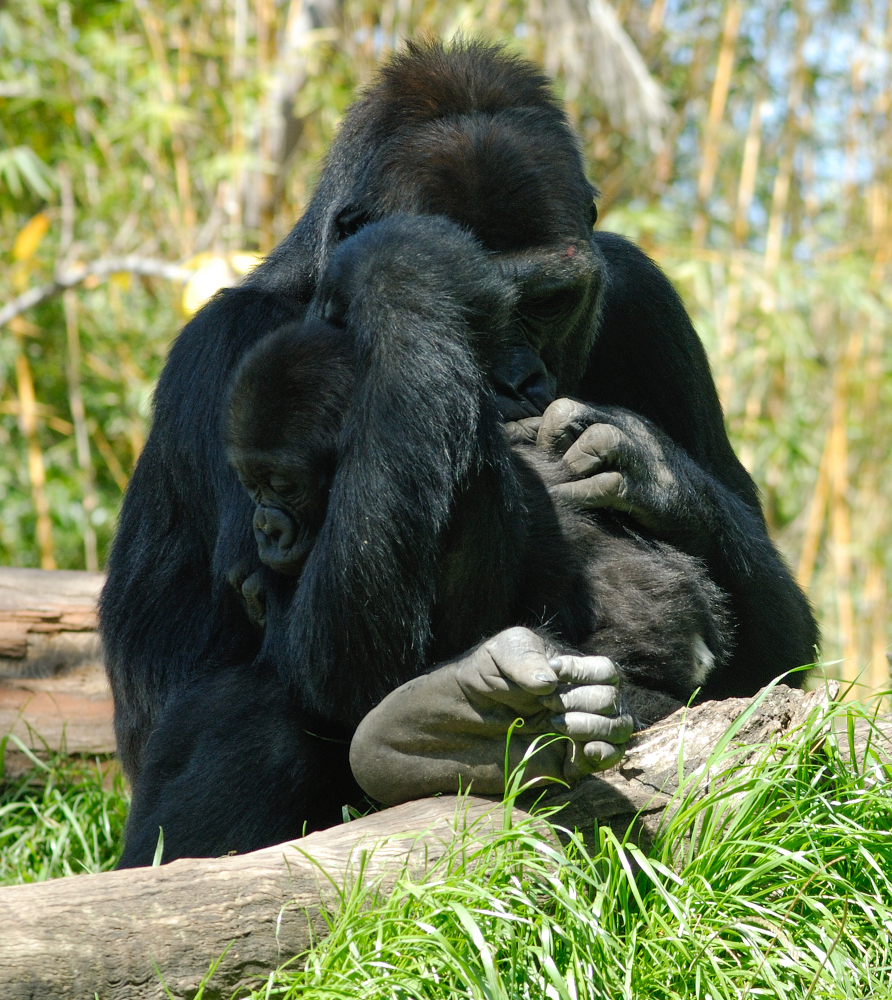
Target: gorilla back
[231,750]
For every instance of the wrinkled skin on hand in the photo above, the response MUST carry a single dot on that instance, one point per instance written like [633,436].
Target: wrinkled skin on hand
[621,461]
[446,730]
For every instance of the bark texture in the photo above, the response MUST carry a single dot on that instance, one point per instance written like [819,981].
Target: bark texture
[47,621]
[640,788]
[113,934]
[53,691]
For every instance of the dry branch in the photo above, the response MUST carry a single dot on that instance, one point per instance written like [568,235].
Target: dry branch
[107,933]
[98,269]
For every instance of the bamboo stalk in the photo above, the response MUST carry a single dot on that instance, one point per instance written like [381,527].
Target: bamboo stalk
[665,159]
[841,536]
[81,435]
[781,191]
[235,204]
[746,188]
[774,237]
[852,148]
[885,248]
[655,20]
[814,523]
[717,104]
[873,522]
[840,522]
[876,675]
[188,216]
[111,459]
[27,403]
[755,400]
[273,130]
[728,335]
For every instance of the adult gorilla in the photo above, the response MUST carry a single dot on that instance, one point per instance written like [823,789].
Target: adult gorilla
[230,744]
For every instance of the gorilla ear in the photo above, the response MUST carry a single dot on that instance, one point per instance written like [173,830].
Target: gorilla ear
[593,213]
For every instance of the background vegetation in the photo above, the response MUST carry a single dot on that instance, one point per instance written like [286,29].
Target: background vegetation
[148,148]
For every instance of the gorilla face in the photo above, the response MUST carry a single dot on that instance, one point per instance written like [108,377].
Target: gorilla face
[291,497]
[286,410]
[515,182]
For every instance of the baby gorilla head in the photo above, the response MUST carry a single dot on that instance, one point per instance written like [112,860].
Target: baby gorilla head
[286,410]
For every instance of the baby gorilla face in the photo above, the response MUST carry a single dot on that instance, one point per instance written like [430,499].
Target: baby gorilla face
[286,410]
[290,488]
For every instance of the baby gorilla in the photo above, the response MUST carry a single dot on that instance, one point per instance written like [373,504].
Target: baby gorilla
[642,614]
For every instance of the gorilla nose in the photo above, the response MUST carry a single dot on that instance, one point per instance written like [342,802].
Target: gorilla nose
[275,525]
[523,385]
[280,544]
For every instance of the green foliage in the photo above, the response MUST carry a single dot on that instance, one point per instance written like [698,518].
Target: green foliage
[61,817]
[772,880]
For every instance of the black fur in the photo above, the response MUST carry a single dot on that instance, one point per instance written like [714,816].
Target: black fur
[234,738]
[591,581]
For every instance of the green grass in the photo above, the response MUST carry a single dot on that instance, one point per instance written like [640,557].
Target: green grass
[62,817]
[776,881]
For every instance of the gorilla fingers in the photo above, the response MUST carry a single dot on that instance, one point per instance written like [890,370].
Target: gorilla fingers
[445,730]
[589,699]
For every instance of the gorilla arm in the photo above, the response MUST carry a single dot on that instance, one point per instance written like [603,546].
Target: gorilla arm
[445,731]
[622,461]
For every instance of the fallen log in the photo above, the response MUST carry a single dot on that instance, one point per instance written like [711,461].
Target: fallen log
[114,934]
[53,690]
[47,621]
[638,790]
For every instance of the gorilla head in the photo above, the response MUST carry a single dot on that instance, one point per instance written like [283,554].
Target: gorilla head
[474,135]
[286,410]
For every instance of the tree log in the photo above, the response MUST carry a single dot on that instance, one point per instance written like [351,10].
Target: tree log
[47,621]
[53,691]
[637,792]
[113,934]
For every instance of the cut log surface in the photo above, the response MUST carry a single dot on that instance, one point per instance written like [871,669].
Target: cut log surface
[53,691]
[112,934]
[71,712]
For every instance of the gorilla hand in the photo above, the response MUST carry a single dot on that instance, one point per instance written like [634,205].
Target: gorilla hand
[586,699]
[446,730]
[248,582]
[624,462]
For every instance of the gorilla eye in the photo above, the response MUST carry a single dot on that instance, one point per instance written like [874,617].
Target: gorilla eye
[593,214]
[250,486]
[350,221]
[286,489]
[550,308]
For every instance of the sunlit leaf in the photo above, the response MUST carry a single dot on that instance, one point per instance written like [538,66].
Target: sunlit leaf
[30,236]
[212,274]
